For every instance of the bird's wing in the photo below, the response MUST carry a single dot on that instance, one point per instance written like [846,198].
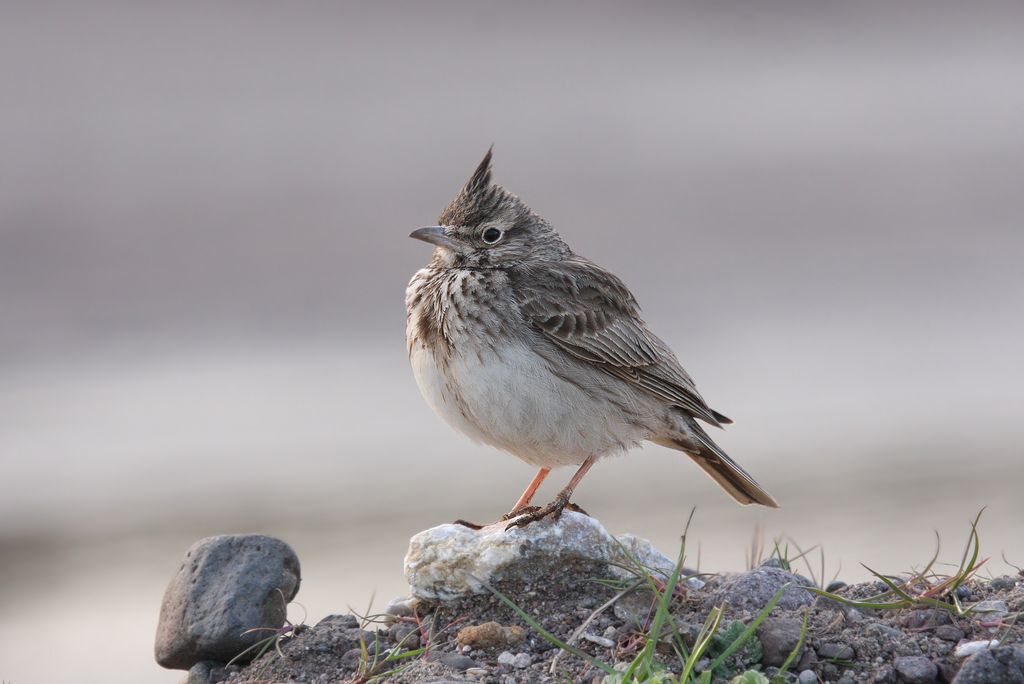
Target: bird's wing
[590,313]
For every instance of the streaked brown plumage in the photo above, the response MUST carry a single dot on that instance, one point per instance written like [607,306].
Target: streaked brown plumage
[522,344]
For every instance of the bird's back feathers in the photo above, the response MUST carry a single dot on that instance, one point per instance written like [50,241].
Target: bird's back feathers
[589,313]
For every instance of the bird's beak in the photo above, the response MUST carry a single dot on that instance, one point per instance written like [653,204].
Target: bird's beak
[435,235]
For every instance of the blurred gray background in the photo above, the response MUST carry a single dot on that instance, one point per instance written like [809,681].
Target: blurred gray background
[203,256]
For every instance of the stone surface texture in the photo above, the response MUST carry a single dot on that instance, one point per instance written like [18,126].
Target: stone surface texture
[915,669]
[453,561]
[225,586]
[753,590]
[779,636]
[1003,665]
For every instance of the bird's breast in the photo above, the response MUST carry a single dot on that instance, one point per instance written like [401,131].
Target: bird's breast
[479,366]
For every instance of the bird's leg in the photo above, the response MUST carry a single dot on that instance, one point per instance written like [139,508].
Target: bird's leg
[561,501]
[523,505]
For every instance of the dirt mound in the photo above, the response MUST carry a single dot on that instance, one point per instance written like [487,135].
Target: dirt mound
[482,639]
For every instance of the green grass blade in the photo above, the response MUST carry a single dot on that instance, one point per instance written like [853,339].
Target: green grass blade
[704,639]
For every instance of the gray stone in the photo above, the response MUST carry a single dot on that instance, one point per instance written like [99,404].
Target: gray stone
[522,661]
[753,590]
[925,618]
[915,669]
[884,675]
[452,561]
[990,610]
[347,621]
[225,586]
[1003,665]
[949,633]
[456,661]
[1004,583]
[405,634]
[200,673]
[879,629]
[835,586]
[778,636]
[807,677]
[835,651]
[505,658]
[351,658]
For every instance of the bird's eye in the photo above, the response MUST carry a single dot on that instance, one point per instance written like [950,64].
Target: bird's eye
[491,235]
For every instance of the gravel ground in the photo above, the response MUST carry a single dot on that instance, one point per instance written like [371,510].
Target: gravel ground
[479,639]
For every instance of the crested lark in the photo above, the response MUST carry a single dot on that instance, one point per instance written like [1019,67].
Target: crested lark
[522,344]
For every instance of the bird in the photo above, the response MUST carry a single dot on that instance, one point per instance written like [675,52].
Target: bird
[522,344]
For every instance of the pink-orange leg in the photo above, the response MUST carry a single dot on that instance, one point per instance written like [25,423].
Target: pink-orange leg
[531,489]
[561,501]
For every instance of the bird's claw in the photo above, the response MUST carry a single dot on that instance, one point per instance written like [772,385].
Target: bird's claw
[466,523]
[576,509]
[553,509]
[511,515]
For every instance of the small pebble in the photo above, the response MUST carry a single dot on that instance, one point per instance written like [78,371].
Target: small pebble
[884,675]
[477,671]
[403,606]
[963,593]
[1003,583]
[835,586]
[807,677]
[949,633]
[834,651]
[521,661]
[406,634]
[990,610]
[505,658]
[916,669]
[457,661]
[600,641]
[969,648]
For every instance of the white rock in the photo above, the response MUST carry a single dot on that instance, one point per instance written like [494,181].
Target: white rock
[969,648]
[403,606]
[599,640]
[449,561]
[506,658]
[521,661]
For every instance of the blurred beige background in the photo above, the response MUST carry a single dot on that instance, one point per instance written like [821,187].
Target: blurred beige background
[203,255]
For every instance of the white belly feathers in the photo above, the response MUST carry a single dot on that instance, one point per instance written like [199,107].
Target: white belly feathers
[510,400]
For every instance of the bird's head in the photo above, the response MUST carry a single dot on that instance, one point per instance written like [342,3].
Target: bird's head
[486,226]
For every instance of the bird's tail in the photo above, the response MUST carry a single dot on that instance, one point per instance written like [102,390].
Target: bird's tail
[736,481]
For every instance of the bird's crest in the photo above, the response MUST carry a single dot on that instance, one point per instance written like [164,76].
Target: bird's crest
[481,178]
[477,199]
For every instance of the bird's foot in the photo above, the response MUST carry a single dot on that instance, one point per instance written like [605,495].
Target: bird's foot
[573,507]
[553,509]
[518,512]
[522,517]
